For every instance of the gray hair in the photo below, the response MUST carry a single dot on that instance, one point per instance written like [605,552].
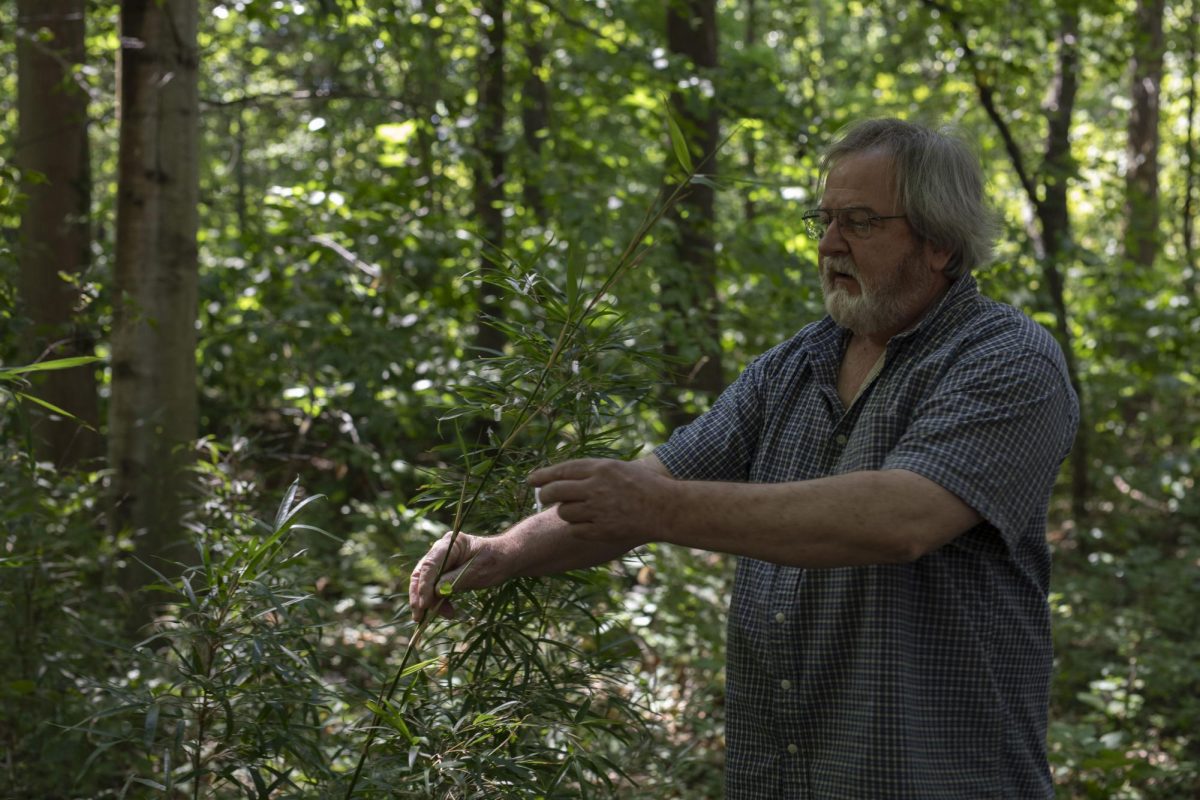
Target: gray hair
[939,185]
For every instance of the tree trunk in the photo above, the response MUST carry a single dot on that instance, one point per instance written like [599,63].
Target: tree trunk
[1192,172]
[489,170]
[1141,176]
[1054,216]
[55,228]
[749,39]
[152,415]
[689,287]
[1052,242]
[535,120]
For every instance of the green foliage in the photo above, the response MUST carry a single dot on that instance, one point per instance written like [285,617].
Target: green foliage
[60,619]
[227,695]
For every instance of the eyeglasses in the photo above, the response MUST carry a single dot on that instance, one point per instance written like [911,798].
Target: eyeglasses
[852,222]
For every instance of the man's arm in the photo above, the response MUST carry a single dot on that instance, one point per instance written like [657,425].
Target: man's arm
[543,544]
[869,517]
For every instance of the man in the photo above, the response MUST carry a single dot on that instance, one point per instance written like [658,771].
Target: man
[884,477]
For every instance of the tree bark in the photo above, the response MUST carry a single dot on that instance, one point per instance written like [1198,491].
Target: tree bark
[535,119]
[689,287]
[489,170]
[1141,175]
[55,234]
[1192,172]
[152,415]
[1052,240]
[749,39]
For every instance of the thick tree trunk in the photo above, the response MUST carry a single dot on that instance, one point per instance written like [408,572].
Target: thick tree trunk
[489,169]
[152,415]
[1141,175]
[689,288]
[55,232]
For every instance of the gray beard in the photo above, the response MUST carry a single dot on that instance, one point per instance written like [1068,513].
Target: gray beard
[886,307]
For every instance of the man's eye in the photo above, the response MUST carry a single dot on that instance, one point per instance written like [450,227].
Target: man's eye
[858,221]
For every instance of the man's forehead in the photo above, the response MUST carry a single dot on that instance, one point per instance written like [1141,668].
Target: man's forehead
[860,179]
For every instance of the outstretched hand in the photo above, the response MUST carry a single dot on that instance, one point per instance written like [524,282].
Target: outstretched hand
[607,500]
[462,570]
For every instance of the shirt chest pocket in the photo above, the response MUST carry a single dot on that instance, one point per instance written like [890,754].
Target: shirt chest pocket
[863,443]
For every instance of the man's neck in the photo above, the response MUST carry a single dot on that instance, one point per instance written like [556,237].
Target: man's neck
[878,339]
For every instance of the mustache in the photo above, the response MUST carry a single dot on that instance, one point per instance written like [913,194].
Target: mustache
[841,264]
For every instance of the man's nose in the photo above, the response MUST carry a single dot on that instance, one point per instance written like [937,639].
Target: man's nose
[832,243]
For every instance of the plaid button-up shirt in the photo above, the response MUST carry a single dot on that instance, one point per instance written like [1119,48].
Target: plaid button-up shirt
[923,680]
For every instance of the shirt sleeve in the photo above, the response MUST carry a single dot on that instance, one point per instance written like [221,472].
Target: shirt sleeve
[720,444]
[994,433]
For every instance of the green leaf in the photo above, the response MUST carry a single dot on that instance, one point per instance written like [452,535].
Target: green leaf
[678,143]
[6,373]
[574,272]
[392,718]
[151,726]
[45,404]
[286,505]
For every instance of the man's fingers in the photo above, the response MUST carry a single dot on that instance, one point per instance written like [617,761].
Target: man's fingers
[421,587]
[574,513]
[566,471]
[564,491]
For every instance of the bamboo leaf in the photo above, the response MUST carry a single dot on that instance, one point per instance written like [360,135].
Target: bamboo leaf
[282,515]
[392,718]
[678,142]
[7,373]
[45,404]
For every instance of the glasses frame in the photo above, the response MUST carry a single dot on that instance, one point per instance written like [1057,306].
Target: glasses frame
[816,229]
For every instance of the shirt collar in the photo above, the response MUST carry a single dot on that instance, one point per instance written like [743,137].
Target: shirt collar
[962,291]
[828,338]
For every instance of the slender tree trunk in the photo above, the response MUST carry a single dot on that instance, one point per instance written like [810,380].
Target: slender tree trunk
[152,416]
[1054,217]
[689,288]
[489,169]
[1191,181]
[535,120]
[749,39]
[1052,241]
[55,235]
[1141,176]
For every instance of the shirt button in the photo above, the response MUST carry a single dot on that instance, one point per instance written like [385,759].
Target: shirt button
[793,749]
[780,617]
[785,684]
[841,438]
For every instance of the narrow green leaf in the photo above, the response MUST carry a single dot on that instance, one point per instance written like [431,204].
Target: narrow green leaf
[296,509]
[45,366]
[574,273]
[678,143]
[151,726]
[393,719]
[45,404]
[286,505]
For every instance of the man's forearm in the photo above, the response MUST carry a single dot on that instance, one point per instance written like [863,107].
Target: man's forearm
[543,545]
[869,517]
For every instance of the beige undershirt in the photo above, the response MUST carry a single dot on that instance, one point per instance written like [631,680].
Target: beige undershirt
[871,376]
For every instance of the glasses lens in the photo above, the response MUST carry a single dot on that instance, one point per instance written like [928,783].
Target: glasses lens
[855,221]
[816,223]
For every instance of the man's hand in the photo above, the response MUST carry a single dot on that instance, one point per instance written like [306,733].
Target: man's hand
[626,503]
[470,565]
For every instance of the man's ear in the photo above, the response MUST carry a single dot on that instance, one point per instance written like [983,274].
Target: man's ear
[938,258]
